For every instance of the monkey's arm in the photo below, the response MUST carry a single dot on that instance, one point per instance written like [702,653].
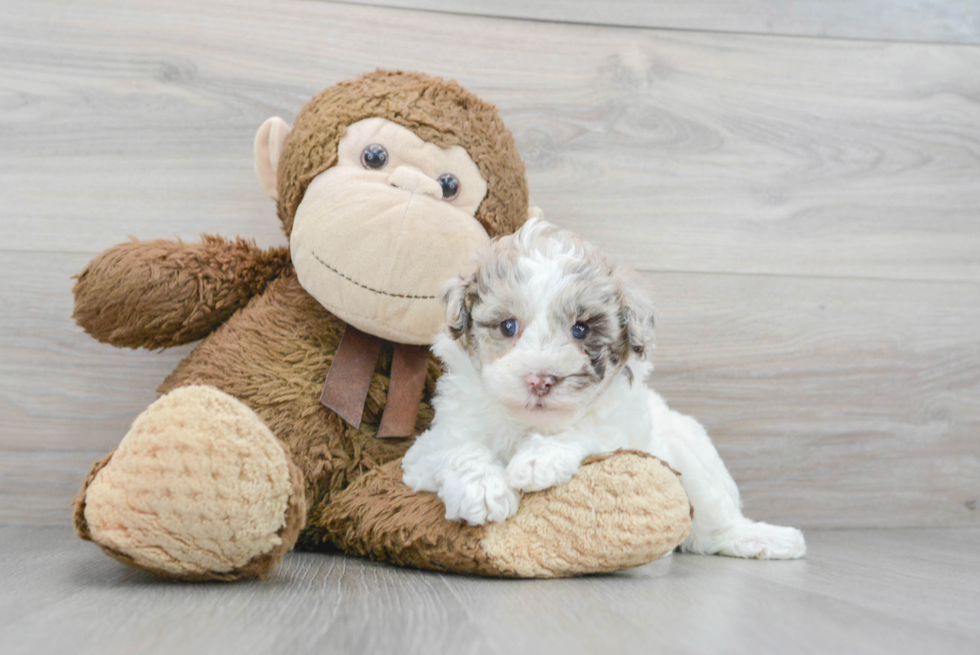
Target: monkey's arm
[157,294]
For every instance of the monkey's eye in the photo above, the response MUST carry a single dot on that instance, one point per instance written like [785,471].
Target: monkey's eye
[580,331]
[374,157]
[509,327]
[449,184]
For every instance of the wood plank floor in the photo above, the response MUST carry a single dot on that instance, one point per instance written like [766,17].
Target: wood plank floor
[874,591]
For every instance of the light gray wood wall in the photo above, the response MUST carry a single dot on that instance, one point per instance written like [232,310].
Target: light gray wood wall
[805,212]
[941,21]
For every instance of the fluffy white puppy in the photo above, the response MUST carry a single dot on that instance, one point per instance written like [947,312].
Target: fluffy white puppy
[546,361]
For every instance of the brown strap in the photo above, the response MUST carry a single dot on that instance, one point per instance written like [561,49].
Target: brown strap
[408,368]
[349,377]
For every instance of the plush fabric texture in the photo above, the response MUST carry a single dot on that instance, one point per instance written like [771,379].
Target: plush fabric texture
[247,399]
[440,111]
[199,487]
[604,520]
[273,356]
[408,528]
[268,144]
[371,278]
[405,147]
[158,294]
[358,232]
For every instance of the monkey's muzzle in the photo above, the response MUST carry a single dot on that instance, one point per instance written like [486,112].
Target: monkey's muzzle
[376,255]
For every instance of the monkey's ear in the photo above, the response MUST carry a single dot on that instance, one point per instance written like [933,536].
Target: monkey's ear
[269,141]
[454,294]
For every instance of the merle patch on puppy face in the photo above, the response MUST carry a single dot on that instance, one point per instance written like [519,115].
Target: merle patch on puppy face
[548,320]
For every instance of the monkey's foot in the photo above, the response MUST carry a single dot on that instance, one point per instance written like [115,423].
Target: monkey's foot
[620,510]
[199,489]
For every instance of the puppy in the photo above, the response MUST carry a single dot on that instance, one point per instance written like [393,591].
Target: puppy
[547,360]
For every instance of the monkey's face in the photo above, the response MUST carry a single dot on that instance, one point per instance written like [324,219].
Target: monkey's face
[376,235]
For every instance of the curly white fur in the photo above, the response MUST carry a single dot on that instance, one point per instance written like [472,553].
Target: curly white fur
[497,433]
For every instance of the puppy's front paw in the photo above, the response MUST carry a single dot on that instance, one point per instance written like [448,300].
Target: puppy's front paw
[478,495]
[762,541]
[542,464]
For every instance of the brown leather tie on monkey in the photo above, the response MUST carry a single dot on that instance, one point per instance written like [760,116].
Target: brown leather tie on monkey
[349,378]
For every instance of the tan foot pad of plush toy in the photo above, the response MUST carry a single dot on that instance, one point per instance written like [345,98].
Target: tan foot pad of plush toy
[621,510]
[198,489]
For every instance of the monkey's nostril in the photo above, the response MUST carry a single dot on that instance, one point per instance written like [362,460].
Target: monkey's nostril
[409,178]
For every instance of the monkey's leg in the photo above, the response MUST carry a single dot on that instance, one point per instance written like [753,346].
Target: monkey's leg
[199,489]
[157,294]
[619,511]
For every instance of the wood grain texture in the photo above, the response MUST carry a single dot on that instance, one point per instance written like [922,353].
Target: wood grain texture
[889,592]
[678,151]
[805,212]
[941,21]
[834,402]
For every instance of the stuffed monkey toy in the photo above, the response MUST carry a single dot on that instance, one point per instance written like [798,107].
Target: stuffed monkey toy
[285,426]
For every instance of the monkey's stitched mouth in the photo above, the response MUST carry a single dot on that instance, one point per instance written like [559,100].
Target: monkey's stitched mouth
[371,289]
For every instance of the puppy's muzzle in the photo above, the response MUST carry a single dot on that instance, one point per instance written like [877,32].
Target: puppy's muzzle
[540,384]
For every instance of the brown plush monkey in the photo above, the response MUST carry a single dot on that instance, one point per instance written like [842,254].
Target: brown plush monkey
[386,185]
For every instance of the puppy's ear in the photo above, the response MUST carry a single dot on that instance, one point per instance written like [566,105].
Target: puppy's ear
[455,293]
[637,317]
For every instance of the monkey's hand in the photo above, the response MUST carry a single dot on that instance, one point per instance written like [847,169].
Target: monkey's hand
[157,294]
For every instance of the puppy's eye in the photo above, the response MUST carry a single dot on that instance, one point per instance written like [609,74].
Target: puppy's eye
[374,157]
[508,328]
[449,184]
[580,331]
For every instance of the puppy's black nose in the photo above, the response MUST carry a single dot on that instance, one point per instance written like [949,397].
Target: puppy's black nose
[540,385]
